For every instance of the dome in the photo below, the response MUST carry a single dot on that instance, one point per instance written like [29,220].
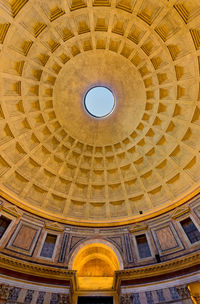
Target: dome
[61,163]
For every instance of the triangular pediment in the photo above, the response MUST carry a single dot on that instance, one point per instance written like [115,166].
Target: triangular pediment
[54,226]
[13,210]
[180,211]
[138,227]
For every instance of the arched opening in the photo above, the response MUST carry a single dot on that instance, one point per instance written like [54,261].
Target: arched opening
[95,264]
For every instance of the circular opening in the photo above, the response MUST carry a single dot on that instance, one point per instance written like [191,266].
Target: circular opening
[99,102]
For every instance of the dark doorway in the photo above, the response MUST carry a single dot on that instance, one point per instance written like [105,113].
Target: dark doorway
[95,300]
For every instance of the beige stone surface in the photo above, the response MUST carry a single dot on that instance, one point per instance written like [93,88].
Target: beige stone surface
[58,161]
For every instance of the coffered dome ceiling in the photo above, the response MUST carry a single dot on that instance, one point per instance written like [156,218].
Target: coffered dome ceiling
[57,160]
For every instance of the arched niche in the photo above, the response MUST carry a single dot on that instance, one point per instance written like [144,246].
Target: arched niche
[95,262]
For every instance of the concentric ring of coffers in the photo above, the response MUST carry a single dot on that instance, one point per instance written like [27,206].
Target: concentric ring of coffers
[45,166]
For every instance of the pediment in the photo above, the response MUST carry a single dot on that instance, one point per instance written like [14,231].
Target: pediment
[13,210]
[138,227]
[180,211]
[54,226]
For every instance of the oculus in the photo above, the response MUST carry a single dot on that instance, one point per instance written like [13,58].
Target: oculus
[99,102]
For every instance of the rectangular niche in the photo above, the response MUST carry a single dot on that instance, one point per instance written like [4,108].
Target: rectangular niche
[166,238]
[24,238]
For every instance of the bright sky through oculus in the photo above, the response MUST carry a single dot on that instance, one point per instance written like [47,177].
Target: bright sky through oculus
[99,102]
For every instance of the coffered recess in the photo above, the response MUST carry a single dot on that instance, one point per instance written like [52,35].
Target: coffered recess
[59,162]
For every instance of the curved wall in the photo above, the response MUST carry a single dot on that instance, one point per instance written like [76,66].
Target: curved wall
[26,234]
[172,256]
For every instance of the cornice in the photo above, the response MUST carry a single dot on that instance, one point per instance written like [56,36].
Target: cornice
[43,271]
[33,269]
[156,269]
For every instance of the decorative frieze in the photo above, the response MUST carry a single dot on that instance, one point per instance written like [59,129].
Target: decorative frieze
[183,292]
[126,299]
[29,296]
[14,293]
[4,291]
[64,299]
